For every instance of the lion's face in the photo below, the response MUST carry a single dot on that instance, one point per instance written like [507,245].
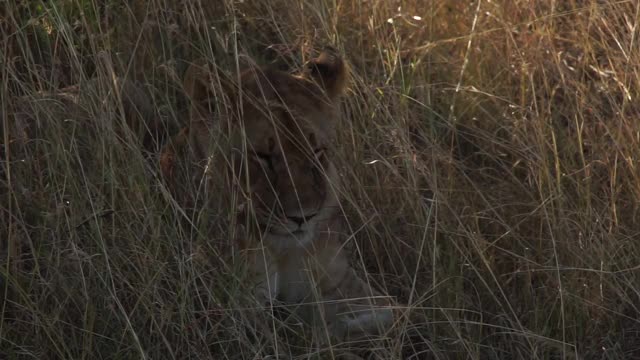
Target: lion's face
[282,132]
[288,125]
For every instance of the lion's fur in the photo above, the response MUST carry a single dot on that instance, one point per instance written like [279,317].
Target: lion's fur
[280,143]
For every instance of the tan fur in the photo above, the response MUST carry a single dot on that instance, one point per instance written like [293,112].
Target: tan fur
[281,138]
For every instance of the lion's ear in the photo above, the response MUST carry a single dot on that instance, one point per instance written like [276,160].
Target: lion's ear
[205,85]
[329,71]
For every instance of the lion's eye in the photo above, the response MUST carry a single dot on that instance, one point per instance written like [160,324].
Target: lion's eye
[319,152]
[264,158]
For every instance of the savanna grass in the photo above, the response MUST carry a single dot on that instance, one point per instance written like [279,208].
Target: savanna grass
[489,152]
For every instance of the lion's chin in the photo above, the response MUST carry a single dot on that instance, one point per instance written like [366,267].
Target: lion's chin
[288,230]
[285,232]
[282,239]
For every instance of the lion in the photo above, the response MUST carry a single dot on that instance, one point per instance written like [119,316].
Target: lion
[280,148]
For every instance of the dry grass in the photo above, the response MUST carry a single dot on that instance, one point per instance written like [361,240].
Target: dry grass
[490,152]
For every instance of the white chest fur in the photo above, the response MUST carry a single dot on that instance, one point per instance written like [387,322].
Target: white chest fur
[290,271]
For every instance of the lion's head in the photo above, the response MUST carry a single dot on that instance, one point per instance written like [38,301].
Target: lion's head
[282,127]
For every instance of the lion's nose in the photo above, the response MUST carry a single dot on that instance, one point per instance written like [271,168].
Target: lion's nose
[301,220]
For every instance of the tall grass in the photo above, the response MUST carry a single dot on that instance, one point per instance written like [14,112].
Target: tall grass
[489,151]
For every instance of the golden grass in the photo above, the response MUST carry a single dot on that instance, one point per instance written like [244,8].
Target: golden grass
[489,151]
